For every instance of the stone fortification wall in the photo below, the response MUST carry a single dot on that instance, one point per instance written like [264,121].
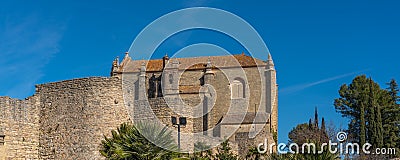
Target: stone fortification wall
[75,114]
[19,122]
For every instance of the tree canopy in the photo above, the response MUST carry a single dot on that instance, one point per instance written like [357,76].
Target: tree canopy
[374,113]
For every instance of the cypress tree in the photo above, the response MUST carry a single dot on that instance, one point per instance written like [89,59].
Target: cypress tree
[323,131]
[372,129]
[393,90]
[316,118]
[362,125]
[391,116]
[376,129]
[379,127]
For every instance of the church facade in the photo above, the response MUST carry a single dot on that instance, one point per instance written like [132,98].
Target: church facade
[221,97]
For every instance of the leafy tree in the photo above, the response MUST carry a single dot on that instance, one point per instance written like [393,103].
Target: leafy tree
[373,112]
[304,133]
[137,142]
[253,154]
[322,156]
[224,152]
[301,134]
[310,133]
[202,151]
[362,101]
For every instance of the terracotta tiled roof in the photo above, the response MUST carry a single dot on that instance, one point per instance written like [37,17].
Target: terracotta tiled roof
[154,65]
[242,60]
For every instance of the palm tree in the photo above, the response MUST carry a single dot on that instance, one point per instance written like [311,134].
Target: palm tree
[141,141]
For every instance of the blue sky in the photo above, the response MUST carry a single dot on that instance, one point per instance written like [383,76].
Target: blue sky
[316,45]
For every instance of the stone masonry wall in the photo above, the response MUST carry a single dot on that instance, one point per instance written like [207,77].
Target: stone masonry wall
[67,119]
[75,114]
[19,122]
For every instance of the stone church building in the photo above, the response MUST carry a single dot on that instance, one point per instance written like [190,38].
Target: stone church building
[221,97]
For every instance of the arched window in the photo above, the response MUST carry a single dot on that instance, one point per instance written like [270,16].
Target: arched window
[238,88]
